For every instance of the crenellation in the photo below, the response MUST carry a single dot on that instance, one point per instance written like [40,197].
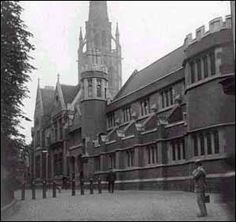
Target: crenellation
[200,32]
[215,25]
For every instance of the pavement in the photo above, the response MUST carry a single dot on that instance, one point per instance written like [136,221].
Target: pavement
[129,205]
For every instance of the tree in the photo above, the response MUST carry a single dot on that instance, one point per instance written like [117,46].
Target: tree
[15,70]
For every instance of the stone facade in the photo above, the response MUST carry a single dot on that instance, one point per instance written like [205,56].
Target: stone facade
[152,129]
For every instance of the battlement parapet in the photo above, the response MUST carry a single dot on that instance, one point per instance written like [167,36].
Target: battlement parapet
[215,25]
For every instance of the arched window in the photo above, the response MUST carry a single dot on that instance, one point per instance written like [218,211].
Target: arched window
[90,88]
[99,88]
[96,40]
[104,39]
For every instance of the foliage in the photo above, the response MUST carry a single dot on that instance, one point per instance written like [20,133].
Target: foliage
[15,69]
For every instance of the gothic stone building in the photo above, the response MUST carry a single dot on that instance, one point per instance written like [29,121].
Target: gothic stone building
[150,130]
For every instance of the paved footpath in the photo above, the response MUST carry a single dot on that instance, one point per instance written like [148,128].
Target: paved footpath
[122,205]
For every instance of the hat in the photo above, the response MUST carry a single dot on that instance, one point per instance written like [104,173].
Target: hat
[198,161]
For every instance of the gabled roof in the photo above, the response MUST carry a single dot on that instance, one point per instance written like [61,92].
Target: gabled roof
[165,65]
[69,92]
[47,98]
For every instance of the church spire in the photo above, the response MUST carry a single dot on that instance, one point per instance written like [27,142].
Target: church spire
[98,11]
[80,35]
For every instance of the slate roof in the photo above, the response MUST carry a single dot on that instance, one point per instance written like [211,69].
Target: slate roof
[69,92]
[165,65]
[47,97]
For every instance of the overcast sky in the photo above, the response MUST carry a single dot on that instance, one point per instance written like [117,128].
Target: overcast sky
[148,31]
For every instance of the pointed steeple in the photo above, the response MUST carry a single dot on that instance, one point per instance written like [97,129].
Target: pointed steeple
[98,11]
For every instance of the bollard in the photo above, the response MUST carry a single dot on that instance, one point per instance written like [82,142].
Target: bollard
[99,185]
[73,186]
[23,191]
[81,186]
[91,185]
[33,191]
[54,192]
[44,189]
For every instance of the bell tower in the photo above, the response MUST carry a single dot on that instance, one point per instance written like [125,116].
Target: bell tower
[98,41]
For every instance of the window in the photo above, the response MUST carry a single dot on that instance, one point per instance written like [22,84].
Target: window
[192,71]
[38,138]
[37,161]
[104,38]
[205,66]
[173,151]
[90,88]
[99,88]
[127,114]
[183,146]
[167,97]
[199,69]
[145,107]
[216,141]
[55,164]
[55,130]
[97,163]
[195,145]
[60,129]
[209,150]
[162,100]
[202,150]
[213,65]
[130,158]
[152,153]
[179,151]
[111,119]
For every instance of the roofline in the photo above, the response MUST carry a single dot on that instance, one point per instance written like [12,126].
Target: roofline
[133,74]
[146,85]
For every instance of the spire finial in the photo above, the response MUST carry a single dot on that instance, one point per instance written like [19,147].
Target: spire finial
[38,82]
[58,77]
[80,34]
[117,29]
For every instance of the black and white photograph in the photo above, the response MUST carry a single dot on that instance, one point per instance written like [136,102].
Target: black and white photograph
[117,110]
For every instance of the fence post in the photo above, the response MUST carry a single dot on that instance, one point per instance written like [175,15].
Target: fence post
[91,185]
[33,190]
[23,191]
[99,185]
[73,185]
[54,192]
[82,186]
[44,189]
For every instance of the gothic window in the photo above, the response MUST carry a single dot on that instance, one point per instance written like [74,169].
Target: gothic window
[111,119]
[96,40]
[167,97]
[152,153]
[173,150]
[37,166]
[213,65]
[209,145]
[97,163]
[216,141]
[145,107]
[61,129]
[199,69]
[90,87]
[104,38]
[127,114]
[99,88]
[195,145]
[205,65]
[202,144]
[183,147]
[192,71]
[130,158]
[179,151]
[38,138]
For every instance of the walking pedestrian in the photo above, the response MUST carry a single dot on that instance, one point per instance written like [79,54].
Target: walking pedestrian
[199,177]
[111,177]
